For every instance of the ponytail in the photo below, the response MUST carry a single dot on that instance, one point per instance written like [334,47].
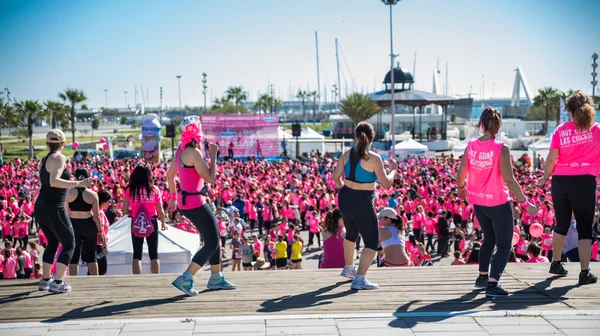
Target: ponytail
[398,223]
[490,120]
[582,110]
[364,136]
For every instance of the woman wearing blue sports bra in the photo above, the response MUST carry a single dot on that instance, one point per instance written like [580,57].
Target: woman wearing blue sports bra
[392,242]
[361,169]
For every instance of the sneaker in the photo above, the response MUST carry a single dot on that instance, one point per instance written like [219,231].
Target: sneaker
[362,284]
[186,286]
[45,284]
[219,283]
[492,292]
[58,288]
[481,283]
[349,273]
[587,278]
[558,268]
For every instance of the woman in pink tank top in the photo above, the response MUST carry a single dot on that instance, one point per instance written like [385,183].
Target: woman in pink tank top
[573,164]
[333,240]
[191,168]
[486,179]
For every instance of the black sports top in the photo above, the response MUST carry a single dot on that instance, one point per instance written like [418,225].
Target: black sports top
[79,204]
[52,196]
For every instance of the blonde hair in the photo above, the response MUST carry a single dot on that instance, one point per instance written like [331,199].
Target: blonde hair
[582,110]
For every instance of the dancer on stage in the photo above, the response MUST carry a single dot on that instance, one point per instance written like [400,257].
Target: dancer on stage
[486,177]
[361,168]
[190,166]
[574,164]
[50,212]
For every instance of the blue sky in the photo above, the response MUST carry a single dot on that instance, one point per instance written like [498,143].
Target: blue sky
[48,46]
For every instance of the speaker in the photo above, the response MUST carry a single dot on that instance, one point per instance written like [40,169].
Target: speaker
[170,131]
[296,130]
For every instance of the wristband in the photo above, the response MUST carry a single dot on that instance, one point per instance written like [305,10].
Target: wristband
[527,203]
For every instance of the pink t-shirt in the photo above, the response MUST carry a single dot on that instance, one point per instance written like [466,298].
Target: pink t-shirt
[522,247]
[578,151]
[10,266]
[429,225]
[149,202]
[485,185]
[546,242]
[539,259]
[418,221]
[313,224]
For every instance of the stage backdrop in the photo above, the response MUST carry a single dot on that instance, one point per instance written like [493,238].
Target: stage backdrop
[243,130]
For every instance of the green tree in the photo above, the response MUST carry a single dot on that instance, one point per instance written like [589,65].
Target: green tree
[57,112]
[263,103]
[453,117]
[73,97]
[29,111]
[95,125]
[237,94]
[314,95]
[276,104]
[123,120]
[549,99]
[359,107]
[303,95]
[220,102]
[8,118]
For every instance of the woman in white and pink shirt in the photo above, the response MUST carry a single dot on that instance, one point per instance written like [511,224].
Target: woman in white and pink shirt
[574,164]
[486,177]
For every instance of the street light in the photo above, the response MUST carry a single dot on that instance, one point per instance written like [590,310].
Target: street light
[179,87]
[393,101]
[204,87]
[106,98]
[594,74]
[126,104]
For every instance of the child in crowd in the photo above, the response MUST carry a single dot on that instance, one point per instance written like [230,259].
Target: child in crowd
[522,246]
[547,243]
[21,261]
[296,253]
[10,265]
[248,254]
[281,253]
[236,256]
[533,252]
[37,272]
[458,259]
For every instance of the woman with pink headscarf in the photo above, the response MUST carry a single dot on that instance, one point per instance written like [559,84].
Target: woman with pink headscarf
[191,168]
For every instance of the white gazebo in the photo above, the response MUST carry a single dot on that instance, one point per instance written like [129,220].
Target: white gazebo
[409,146]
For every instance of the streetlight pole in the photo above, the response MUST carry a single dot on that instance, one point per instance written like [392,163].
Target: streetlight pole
[204,87]
[106,98]
[179,87]
[392,84]
[126,104]
[594,74]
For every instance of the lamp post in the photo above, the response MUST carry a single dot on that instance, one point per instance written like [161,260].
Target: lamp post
[392,84]
[125,93]
[106,98]
[179,88]
[594,74]
[204,87]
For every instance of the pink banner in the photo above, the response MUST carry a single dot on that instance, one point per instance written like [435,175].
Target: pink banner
[243,130]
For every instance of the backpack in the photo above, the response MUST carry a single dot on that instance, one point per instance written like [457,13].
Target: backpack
[142,225]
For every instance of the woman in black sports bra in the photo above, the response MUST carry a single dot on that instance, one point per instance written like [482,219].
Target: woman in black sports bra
[84,213]
[51,214]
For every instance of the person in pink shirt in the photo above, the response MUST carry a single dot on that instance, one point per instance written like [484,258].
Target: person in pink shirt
[333,240]
[573,163]
[418,222]
[486,177]
[533,252]
[10,266]
[547,243]
[430,224]
[314,229]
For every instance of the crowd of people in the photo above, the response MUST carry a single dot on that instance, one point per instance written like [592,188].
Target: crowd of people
[252,213]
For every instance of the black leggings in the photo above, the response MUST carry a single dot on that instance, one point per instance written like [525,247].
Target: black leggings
[430,242]
[151,240]
[86,234]
[53,219]
[311,237]
[574,195]
[359,216]
[205,221]
[497,225]
[102,264]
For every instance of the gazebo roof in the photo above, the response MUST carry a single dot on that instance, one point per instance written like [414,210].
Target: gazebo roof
[400,76]
[411,98]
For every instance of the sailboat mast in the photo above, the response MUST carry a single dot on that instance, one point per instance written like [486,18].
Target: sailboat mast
[318,73]
[414,67]
[337,59]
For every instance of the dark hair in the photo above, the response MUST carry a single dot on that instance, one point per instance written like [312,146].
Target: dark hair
[82,174]
[364,136]
[140,179]
[457,254]
[104,196]
[534,249]
[398,223]
[54,147]
[332,220]
[474,256]
[582,109]
[490,120]
[512,257]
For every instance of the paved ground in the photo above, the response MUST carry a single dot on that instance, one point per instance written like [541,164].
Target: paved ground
[498,323]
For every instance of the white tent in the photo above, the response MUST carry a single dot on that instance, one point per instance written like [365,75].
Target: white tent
[461,146]
[541,147]
[175,249]
[309,140]
[409,146]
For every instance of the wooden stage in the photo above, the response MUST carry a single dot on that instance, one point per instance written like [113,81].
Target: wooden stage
[405,290]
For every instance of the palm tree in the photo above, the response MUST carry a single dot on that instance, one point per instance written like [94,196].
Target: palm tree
[314,96]
[303,95]
[73,97]
[7,116]
[263,103]
[548,98]
[276,104]
[237,94]
[56,111]
[220,102]
[29,111]
[359,107]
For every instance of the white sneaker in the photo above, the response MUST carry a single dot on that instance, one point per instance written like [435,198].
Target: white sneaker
[45,284]
[349,273]
[58,288]
[363,284]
